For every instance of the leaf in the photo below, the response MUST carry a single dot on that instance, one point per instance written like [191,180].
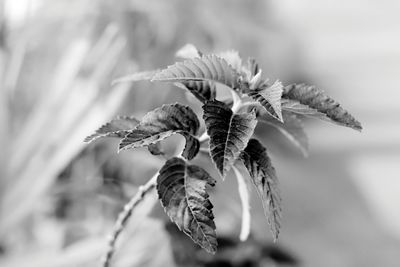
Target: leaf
[206,68]
[292,128]
[155,149]
[188,51]
[295,106]
[202,90]
[182,191]
[252,66]
[233,58]
[229,133]
[317,99]
[116,128]
[263,176]
[192,146]
[162,123]
[270,98]
[245,199]
[135,77]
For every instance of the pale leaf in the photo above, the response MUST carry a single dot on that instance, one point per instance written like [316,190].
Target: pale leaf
[292,128]
[207,68]
[116,128]
[270,98]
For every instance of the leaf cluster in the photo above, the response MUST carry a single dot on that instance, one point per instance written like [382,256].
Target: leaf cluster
[229,129]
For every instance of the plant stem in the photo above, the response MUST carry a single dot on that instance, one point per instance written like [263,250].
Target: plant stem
[124,216]
[237,101]
[204,137]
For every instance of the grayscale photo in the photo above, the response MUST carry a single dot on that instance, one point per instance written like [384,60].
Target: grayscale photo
[189,133]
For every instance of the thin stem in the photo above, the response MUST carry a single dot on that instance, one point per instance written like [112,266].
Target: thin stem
[204,137]
[237,101]
[125,215]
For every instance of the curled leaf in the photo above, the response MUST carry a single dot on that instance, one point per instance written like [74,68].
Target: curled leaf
[270,98]
[317,100]
[229,133]
[162,123]
[207,68]
[264,178]
[182,191]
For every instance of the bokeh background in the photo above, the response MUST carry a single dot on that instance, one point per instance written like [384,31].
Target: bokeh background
[60,197]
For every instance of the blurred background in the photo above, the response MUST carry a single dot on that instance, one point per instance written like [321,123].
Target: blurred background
[59,197]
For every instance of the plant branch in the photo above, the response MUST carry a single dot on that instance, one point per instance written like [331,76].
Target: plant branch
[125,215]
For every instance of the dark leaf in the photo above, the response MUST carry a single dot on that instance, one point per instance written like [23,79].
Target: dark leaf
[292,128]
[116,128]
[162,123]
[316,99]
[182,191]
[155,149]
[264,178]
[192,146]
[202,90]
[207,68]
[270,98]
[229,133]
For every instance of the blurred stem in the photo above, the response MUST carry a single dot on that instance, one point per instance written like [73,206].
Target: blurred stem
[125,215]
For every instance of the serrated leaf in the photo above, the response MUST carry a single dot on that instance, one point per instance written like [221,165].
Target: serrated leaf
[317,99]
[233,58]
[270,98]
[162,123]
[188,51]
[182,191]
[292,128]
[115,128]
[202,90]
[207,68]
[135,77]
[229,133]
[264,178]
